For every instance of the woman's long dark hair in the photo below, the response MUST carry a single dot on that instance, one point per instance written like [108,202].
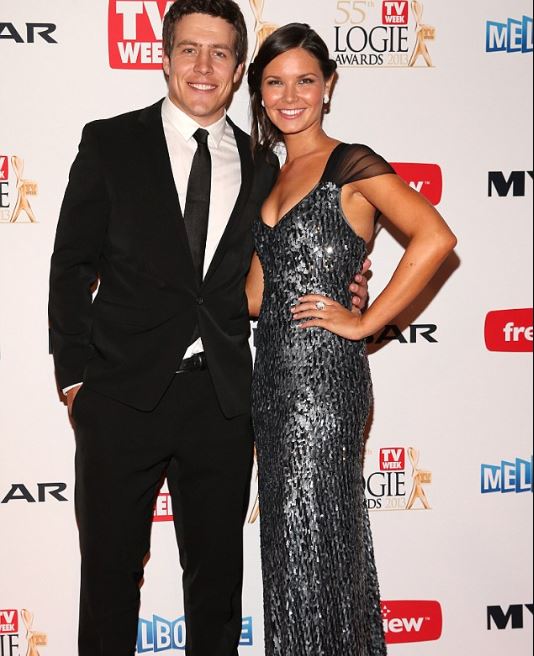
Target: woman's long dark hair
[296,35]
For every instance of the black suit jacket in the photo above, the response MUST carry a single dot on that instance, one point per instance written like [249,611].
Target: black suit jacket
[121,224]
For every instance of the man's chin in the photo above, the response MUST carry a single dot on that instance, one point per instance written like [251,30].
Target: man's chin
[204,113]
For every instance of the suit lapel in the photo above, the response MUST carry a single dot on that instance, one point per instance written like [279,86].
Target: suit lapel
[163,187]
[247,176]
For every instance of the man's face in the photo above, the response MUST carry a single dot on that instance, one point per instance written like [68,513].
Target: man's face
[202,67]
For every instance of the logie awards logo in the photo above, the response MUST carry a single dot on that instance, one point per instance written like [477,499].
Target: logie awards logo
[395,485]
[13,185]
[382,34]
[10,630]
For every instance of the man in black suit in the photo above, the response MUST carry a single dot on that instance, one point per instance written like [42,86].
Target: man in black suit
[162,351]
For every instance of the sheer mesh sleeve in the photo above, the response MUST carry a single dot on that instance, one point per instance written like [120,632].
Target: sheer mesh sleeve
[356,162]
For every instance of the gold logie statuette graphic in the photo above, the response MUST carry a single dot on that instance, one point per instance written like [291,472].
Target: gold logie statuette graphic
[263,30]
[34,638]
[420,478]
[424,33]
[255,512]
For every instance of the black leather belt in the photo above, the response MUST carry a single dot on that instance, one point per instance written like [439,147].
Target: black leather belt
[197,362]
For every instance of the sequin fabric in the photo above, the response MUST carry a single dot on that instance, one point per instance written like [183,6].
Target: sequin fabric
[311,399]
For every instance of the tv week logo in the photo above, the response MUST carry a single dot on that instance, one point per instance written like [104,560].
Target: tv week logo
[392,459]
[135,33]
[509,331]
[412,621]
[9,622]
[163,508]
[427,179]
[395,13]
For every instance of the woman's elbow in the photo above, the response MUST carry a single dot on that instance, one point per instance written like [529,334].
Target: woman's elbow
[450,241]
[443,243]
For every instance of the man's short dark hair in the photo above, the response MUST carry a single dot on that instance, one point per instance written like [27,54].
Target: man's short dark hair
[228,10]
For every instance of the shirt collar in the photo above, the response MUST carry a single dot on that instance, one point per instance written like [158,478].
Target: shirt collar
[187,126]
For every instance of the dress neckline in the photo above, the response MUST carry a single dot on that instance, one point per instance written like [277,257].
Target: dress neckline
[304,198]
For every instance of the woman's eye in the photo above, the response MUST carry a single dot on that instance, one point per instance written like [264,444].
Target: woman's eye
[307,80]
[274,83]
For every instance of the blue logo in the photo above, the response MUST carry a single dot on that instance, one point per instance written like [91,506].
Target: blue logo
[158,634]
[512,36]
[508,477]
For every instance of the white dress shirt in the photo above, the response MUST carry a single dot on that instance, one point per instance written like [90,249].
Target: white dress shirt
[225,178]
[179,129]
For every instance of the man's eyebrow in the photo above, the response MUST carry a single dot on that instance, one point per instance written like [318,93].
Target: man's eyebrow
[217,46]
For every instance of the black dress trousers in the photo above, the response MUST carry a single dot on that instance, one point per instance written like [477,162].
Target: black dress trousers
[121,456]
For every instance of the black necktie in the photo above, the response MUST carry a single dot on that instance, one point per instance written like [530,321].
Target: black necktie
[197,207]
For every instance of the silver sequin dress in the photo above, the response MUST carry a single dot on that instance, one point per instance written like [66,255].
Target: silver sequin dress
[311,399]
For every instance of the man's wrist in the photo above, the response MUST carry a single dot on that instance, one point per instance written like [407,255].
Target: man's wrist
[68,389]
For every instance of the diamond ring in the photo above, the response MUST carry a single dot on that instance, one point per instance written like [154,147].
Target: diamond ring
[320,305]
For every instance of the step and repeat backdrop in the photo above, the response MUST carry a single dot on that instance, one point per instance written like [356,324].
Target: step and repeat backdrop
[442,89]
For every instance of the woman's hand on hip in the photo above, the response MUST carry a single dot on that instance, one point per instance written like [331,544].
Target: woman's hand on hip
[317,311]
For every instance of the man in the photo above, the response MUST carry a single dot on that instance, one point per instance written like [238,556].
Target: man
[162,352]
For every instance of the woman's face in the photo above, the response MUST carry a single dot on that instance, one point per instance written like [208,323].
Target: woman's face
[293,90]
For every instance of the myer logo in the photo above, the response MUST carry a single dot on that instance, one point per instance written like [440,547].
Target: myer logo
[513,617]
[135,33]
[512,184]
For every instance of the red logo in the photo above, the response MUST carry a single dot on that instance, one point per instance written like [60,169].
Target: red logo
[163,508]
[9,622]
[427,179]
[393,459]
[395,12]
[412,621]
[4,168]
[509,331]
[135,33]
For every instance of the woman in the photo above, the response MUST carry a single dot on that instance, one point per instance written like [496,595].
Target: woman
[312,389]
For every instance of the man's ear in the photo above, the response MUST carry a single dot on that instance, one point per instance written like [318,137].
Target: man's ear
[166,65]
[238,75]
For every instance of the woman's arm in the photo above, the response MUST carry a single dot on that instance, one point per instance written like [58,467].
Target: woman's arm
[255,287]
[431,241]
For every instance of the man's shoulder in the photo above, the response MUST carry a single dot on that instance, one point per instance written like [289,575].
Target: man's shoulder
[114,125]
[239,133]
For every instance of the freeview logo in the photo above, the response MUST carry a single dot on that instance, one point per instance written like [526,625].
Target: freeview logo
[412,621]
[509,331]
[427,179]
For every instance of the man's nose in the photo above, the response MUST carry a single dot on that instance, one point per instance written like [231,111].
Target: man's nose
[203,64]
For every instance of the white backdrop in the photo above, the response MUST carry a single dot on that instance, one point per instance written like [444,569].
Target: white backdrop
[445,403]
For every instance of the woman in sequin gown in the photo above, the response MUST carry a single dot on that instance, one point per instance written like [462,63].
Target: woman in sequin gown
[312,386]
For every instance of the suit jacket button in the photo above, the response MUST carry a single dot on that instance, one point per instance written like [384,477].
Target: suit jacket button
[200,300]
